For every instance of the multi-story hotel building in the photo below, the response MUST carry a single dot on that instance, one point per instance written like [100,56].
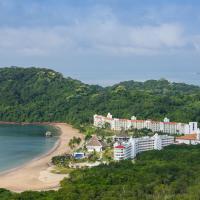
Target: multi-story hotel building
[130,149]
[125,124]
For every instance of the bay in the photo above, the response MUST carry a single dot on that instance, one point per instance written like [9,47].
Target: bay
[20,144]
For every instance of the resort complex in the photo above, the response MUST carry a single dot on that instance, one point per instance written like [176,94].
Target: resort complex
[127,147]
[155,126]
[126,150]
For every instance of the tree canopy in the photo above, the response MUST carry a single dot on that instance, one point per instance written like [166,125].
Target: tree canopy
[38,94]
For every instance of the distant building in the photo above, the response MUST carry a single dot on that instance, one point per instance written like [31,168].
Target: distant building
[130,149]
[94,144]
[189,138]
[155,126]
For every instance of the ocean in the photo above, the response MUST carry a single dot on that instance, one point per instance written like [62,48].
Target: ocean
[20,144]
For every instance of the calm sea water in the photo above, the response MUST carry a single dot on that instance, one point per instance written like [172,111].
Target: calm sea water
[20,144]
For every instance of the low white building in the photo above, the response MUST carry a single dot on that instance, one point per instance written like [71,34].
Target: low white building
[134,146]
[94,144]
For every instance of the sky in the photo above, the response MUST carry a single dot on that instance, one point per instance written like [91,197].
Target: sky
[104,41]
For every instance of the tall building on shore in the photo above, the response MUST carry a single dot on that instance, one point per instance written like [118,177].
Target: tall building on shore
[129,150]
[155,126]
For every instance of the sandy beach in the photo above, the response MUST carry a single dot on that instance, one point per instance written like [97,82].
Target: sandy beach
[36,174]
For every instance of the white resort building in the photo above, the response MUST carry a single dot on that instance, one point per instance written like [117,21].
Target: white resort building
[134,146]
[166,126]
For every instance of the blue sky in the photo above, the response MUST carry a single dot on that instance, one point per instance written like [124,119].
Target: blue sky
[103,41]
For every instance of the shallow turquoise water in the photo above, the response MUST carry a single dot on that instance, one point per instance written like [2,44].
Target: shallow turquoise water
[20,144]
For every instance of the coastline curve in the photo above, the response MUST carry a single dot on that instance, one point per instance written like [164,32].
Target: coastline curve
[36,174]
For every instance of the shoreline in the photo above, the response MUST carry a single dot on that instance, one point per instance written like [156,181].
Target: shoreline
[36,174]
[56,145]
[32,160]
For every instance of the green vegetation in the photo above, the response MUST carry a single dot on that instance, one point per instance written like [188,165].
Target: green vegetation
[62,160]
[93,157]
[62,170]
[108,154]
[74,142]
[33,94]
[172,174]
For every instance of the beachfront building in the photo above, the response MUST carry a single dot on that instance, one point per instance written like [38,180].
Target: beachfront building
[94,144]
[155,126]
[129,150]
[189,138]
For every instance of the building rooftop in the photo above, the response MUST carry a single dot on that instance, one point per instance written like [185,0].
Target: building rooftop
[187,137]
[120,147]
[94,141]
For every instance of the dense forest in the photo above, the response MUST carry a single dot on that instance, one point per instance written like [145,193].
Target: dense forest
[36,94]
[170,174]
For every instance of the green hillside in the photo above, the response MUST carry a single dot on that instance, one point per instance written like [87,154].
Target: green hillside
[36,94]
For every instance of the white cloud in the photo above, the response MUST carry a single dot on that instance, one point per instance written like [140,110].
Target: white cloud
[35,41]
[95,34]
[119,38]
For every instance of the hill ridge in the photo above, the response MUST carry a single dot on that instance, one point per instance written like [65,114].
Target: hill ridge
[41,94]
